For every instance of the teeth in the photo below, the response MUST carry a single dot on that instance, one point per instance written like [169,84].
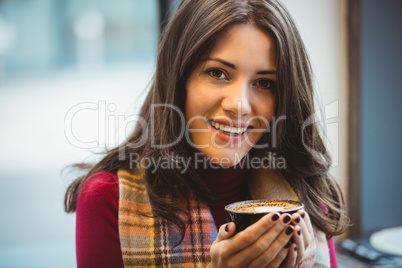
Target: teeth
[235,130]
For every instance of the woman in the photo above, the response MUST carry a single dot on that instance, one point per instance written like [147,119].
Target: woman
[223,122]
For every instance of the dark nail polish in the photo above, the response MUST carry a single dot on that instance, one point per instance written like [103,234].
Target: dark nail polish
[295,248]
[289,230]
[303,215]
[275,217]
[297,220]
[227,228]
[299,232]
[288,245]
[292,240]
[287,219]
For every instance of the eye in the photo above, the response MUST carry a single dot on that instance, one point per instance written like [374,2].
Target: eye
[216,73]
[266,84]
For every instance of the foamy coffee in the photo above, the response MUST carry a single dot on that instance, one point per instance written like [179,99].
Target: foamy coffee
[245,213]
[264,207]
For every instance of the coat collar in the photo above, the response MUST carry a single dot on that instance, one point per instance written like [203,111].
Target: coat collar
[270,184]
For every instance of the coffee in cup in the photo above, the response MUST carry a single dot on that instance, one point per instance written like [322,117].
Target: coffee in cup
[245,213]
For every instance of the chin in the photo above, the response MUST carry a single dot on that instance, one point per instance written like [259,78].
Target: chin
[225,158]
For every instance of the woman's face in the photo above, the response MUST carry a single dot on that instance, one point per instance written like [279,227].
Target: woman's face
[231,95]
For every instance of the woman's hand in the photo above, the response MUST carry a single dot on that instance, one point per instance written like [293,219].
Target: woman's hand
[263,244]
[303,235]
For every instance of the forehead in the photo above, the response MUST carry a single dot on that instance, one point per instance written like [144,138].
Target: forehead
[244,43]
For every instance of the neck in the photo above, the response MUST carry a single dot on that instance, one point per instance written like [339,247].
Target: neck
[227,184]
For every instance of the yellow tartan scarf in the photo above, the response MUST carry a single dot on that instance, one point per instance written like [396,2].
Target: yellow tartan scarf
[148,241]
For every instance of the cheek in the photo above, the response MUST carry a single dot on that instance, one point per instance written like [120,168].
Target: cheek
[267,108]
[192,106]
[189,104]
[270,110]
[199,100]
[195,104]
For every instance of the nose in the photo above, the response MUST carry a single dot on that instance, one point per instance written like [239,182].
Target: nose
[236,101]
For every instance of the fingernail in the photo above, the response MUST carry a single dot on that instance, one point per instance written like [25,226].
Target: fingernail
[295,248]
[297,220]
[288,245]
[303,215]
[286,219]
[299,232]
[289,230]
[275,217]
[227,227]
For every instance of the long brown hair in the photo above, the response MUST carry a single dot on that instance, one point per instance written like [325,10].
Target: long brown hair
[187,38]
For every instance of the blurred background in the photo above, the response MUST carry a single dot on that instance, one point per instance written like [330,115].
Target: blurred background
[55,55]
[70,69]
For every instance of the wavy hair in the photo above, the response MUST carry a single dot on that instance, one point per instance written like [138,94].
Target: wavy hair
[187,38]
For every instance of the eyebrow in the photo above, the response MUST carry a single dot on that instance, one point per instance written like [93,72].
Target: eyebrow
[231,65]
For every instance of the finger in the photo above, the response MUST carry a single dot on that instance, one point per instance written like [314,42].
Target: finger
[225,232]
[305,230]
[298,240]
[222,242]
[270,245]
[296,218]
[243,245]
[279,258]
[252,233]
[306,217]
[291,259]
[229,249]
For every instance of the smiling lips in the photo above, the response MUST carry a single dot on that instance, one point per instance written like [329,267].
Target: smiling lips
[229,130]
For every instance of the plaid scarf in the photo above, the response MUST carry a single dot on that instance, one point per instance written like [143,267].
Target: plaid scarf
[148,241]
